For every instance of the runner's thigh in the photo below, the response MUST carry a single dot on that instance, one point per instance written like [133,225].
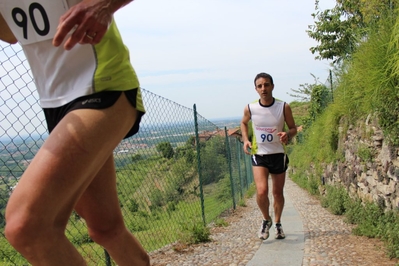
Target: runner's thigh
[99,204]
[69,160]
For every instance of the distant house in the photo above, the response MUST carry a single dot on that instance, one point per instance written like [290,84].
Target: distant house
[206,135]
[232,132]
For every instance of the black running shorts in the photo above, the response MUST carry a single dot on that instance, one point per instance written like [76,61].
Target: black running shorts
[99,100]
[276,163]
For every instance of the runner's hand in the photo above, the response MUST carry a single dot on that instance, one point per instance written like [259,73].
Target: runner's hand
[247,145]
[89,21]
[283,137]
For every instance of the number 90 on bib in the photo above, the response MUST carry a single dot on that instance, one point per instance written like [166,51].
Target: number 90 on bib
[33,21]
[266,134]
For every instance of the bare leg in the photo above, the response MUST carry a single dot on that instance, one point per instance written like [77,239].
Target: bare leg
[60,173]
[261,175]
[278,195]
[99,206]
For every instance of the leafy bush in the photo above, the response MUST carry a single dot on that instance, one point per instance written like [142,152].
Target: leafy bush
[166,149]
[132,205]
[365,153]
[186,152]
[194,232]
[157,198]
[389,231]
[242,203]
[369,219]
[78,234]
[353,207]
[137,224]
[335,199]
[221,223]
[313,185]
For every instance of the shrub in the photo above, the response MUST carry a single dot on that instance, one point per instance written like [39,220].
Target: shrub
[335,199]
[389,231]
[353,209]
[194,232]
[369,220]
[133,206]
[221,223]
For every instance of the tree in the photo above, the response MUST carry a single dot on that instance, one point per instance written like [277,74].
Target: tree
[374,10]
[186,152]
[320,98]
[166,149]
[191,141]
[304,92]
[337,30]
[214,160]
[340,30]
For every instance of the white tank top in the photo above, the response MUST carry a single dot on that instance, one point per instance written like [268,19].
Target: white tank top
[267,121]
[62,76]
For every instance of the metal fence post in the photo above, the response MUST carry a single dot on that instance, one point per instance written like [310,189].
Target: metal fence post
[239,168]
[230,169]
[197,144]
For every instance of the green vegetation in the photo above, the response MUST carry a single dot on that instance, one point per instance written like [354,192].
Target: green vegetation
[301,111]
[194,232]
[365,85]
[366,79]
[251,191]
[339,30]
[370,218]
[221,222]
[166,149]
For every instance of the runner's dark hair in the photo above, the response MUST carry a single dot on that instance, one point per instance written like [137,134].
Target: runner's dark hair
[263,75]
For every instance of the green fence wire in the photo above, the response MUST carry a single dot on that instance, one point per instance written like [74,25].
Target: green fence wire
[179,171]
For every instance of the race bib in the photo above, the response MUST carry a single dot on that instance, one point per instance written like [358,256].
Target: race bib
[266,134]
[33,21]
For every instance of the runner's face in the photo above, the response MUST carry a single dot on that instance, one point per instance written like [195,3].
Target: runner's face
[264,87]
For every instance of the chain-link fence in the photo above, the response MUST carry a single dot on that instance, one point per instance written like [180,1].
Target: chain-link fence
[179,171]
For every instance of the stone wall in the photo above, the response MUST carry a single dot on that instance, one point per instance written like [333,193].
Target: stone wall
[370,168]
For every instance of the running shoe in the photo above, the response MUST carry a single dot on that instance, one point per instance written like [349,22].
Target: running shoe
[279,231]
[264,229]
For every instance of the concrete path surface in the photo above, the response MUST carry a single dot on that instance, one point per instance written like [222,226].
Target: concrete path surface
[283,252]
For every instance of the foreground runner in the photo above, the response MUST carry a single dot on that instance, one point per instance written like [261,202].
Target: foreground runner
[91,99]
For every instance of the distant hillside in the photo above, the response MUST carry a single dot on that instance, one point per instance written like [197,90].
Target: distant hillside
[230,122]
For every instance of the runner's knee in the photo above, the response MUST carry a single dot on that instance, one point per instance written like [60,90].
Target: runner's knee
[25,234]
[278,196]
[103,234]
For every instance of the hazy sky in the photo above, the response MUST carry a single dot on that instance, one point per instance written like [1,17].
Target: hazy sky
[207,52]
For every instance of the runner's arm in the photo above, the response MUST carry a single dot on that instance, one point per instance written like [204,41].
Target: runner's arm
[245,131]
[289,120]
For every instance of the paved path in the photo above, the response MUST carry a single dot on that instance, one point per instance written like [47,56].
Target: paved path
[290,251]
[315,237]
